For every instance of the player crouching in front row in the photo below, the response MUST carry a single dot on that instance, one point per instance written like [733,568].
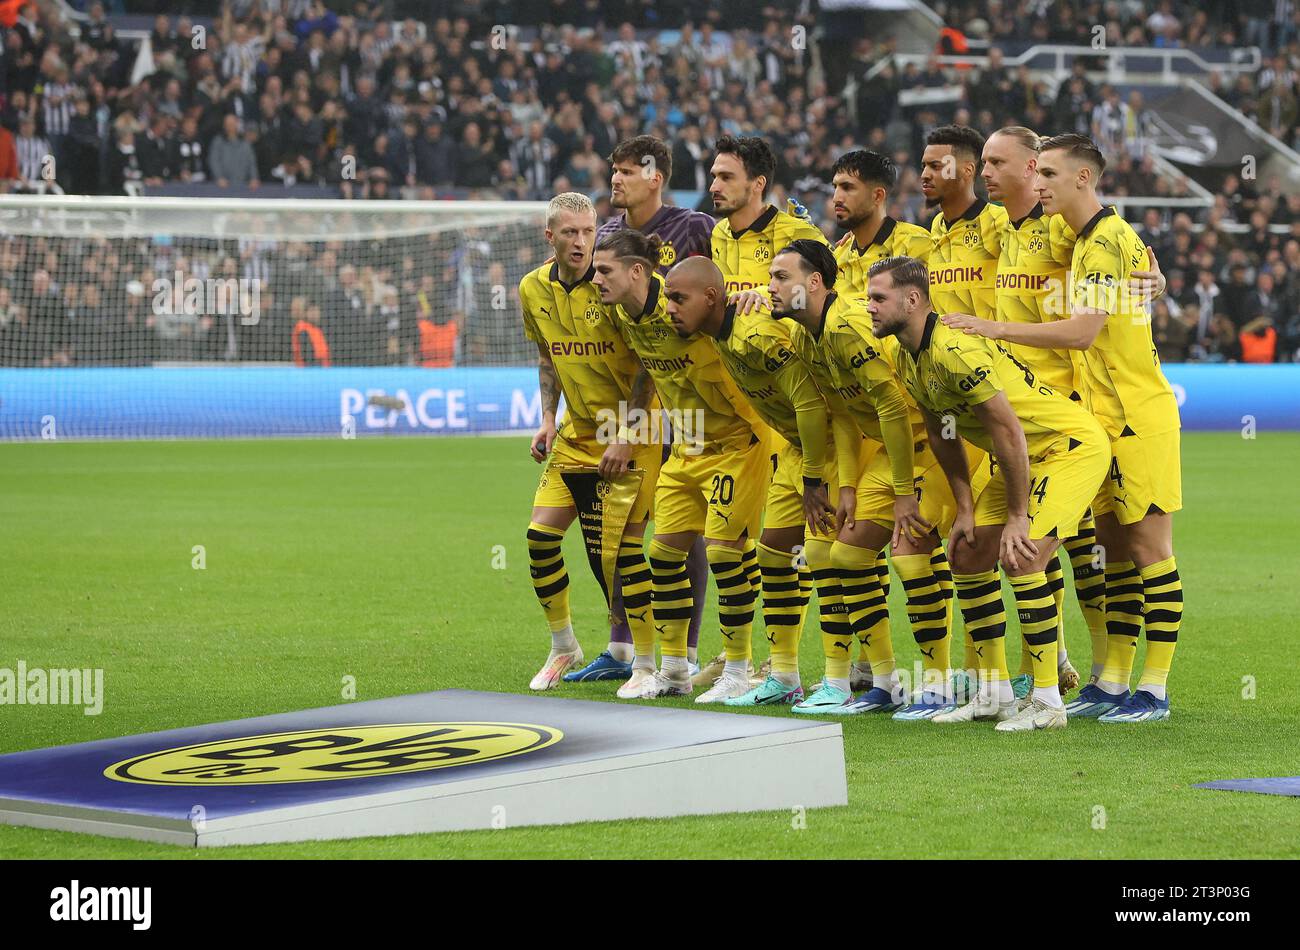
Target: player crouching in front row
[1050,457]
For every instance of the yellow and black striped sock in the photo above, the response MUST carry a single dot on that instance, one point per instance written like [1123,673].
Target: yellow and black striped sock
[1036,607]
[882,578]
[736,598]
[806,584]
[985,618]
[1124,598]
[1056,584]
[749,559]
[943,574]
[1090,589]
[1162,590]
[638,588]
[928,614]
[783,602]
[836,633]
[865,616]
[550,579]
[672,597]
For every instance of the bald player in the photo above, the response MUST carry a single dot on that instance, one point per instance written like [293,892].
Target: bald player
[757,351]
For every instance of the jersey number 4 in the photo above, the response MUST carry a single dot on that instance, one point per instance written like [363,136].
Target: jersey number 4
[1115,475]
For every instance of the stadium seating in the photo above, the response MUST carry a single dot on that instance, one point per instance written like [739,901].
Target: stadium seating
[282,98]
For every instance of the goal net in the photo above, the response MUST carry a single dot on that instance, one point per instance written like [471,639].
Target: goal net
[208,295]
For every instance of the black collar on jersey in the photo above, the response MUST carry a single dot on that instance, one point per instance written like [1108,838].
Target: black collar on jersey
[826,308]
[758,224]
[930,321]
[1035,212]
[970,214]
[568,288]
[651,299]
[1095,220]
[728,321]
[886,229]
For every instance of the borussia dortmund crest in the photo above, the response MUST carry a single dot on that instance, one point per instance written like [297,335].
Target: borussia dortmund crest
[667,255]
[971,238]
[1036,244]
[594,315]
[763,254]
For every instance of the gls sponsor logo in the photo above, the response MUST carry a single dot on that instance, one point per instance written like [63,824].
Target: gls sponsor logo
[974,379]
[103,903]
[862,357]
[327,754]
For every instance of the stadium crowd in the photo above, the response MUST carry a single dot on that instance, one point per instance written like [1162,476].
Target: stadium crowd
[287,91]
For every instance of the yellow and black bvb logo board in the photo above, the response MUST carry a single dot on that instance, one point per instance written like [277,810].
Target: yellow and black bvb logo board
[326,754]
[667,255]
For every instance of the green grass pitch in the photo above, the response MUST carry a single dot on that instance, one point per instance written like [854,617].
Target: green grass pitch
[373,559]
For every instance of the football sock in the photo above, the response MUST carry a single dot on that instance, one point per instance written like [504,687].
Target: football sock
[697,569]
[1124,596]
[638,591]
[736,598]
[1090,589]
[863,613]
[672,598]
[623,652]
[929,615]
[550,579]
[882,578]
[943,574]
[985,617]
[782,607]
[1056,581]
[1162,590]
[1037,610]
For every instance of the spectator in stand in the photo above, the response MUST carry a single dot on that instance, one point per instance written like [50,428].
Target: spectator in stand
[230,158]
[124,174]
[10,176]
[1170,334]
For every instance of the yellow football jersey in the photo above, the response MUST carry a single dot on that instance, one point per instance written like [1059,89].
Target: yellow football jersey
[707,410]
[744,258]
[894,239]
[846,360]
[757,351]
[953,372]
[964,260]
[1124,385]
[594,363]
[1032,277]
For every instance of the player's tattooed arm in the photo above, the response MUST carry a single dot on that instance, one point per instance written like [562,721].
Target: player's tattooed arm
[643,389]
[548,381]
[632,430]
